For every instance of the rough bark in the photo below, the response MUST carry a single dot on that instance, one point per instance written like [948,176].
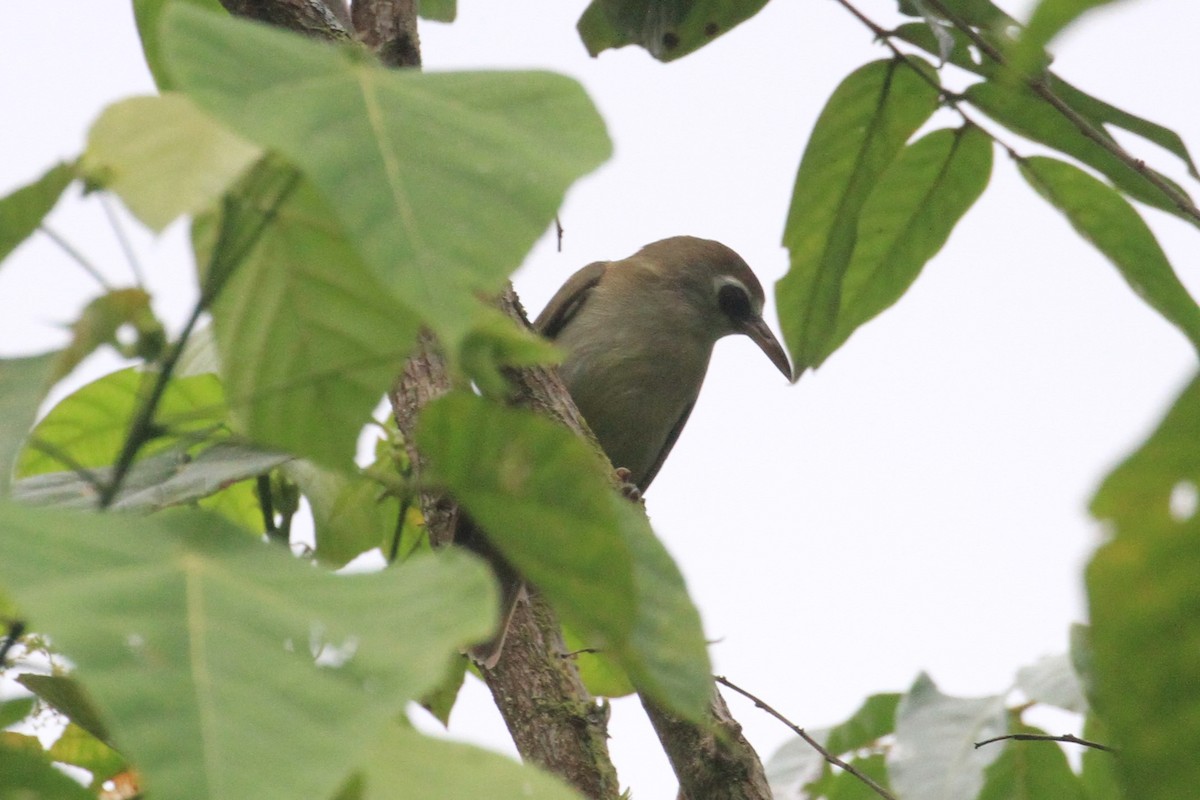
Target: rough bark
[389,27]
[310,17]
[712,762]
[553,719]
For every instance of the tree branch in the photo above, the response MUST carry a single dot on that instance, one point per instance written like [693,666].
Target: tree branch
[553,719]
[712,761]
[389,27]
[313,18]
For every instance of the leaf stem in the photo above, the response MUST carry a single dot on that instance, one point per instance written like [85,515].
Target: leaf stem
[119,230]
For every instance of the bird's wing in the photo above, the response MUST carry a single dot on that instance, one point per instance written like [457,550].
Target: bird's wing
[667,445]
[568,300]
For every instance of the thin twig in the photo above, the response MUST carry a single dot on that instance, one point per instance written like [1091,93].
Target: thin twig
[262,485]
[76,256]
[828,756]
[1045,737]
[119,230]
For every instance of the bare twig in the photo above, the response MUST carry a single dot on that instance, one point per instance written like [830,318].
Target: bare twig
[76,256]
[828,756]
[1045,737]
[16,629]
[123,240]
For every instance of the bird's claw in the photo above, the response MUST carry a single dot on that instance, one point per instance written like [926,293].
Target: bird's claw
[629,489]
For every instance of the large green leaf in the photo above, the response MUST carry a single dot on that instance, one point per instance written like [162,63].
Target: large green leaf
[23,385]
[545,503]
[442,182]
[668,29]
[224,667]
[163,156]
[22,211]
[906,220]
[1019,109]
[88,427]
[934,756]
[1030,771]
[308,338]
[1145,608]
[406,764]
[862,128]
[1111,223]
[148,15]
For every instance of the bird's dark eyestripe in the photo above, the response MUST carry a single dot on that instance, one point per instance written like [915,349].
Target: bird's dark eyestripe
[734,302]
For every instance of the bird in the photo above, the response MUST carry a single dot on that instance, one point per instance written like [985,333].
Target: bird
[637,335]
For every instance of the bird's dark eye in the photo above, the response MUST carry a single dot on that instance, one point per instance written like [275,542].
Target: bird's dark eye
[734,302]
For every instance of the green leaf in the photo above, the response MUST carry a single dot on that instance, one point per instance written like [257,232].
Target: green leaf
[309,340]
[667,29]
[496,342]
[23,385]
[1052,680]
[100,323]
[1030,771]
[441,181]
[23,211]
[441,699]
[79,748]
[13,711]
[1109,222]
[227,668]
[667,657]
[875,719]
[542,497]
[88,427]
[404,759]
[934,756]
[1145,608]
[600,672]
[1094,109]
[25,774]
[169,478]
[1020,110]
[163,156]
[906,220]
[1048,19]
[68,698]
[438,10]
[351,513]
[148,15]
[1101,112]
[859,133]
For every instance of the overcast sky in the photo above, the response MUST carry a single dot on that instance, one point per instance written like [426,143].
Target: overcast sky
[918,503]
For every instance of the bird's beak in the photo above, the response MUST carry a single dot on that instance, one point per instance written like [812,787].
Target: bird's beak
[756,328]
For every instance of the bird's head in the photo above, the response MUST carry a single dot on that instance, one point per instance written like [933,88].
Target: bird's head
[718,287]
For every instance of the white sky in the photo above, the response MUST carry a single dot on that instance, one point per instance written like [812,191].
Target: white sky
[917,504]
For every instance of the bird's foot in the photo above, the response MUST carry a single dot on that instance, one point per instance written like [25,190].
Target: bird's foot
[630,490]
